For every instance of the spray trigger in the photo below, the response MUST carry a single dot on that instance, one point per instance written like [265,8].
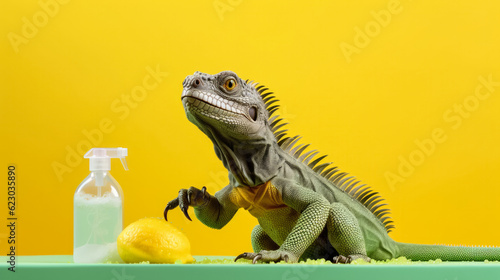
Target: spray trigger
[124,163]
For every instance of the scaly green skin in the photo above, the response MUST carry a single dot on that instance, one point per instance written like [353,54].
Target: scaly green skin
[317,212]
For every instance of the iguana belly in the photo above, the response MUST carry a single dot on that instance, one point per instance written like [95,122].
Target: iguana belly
[259,199]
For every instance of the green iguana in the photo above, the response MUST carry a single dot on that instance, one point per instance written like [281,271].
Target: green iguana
[305,209]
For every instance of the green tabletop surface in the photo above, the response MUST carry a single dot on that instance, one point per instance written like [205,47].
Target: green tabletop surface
[62,267]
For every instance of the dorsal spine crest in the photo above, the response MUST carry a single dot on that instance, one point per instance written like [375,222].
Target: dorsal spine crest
[348,184]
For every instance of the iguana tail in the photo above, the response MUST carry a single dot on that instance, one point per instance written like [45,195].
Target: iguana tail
[447,253]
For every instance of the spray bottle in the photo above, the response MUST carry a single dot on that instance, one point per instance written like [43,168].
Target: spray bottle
[98,204]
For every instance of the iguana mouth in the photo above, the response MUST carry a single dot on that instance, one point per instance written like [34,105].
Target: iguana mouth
[211,103]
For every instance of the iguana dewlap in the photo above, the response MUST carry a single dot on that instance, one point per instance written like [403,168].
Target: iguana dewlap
[257,199]
[305,208]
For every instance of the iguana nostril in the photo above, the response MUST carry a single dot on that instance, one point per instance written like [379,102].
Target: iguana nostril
[196,82]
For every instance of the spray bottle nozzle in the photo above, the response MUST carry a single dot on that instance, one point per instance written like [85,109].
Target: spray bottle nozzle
[100,158]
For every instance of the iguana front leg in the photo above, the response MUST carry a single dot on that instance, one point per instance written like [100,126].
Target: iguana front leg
[214,211]
[261,240]
[314,209]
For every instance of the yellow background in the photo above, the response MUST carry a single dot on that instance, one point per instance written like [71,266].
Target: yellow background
[365,113]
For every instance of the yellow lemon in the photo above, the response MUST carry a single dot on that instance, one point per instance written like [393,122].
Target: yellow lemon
[154,240]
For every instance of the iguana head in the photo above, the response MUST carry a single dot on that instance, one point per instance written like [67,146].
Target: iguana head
[233,115]
[225,103]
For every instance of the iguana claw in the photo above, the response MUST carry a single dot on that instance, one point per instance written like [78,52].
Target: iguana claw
[350,258]
[267,256]
[187,197]
[184,210]
[258,257]
[248,256]
[341,259]
[171,205]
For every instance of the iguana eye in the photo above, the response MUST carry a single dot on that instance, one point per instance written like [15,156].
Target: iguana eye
[230,84]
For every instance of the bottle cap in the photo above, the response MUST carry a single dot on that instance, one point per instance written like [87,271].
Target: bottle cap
[100,158]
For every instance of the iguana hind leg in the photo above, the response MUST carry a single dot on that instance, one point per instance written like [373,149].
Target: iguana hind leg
[345,234]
